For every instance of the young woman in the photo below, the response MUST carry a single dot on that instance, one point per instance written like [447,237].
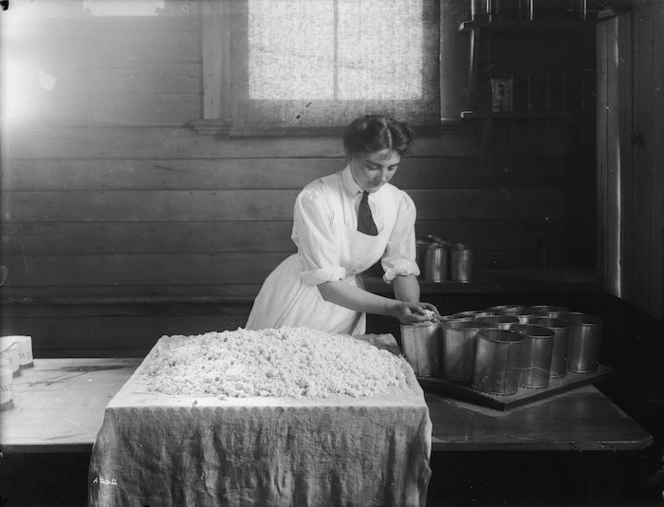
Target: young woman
[343,224]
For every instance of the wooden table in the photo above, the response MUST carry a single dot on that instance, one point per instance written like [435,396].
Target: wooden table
[59,405]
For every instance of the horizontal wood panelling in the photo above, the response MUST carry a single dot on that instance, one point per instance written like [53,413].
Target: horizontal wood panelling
[136,269]
[179,143]
[535,138]
[283,173]
[130,294]
[105,109]
[119,332]
[181,78]
[49,48]
[151,237]
[69,335]
[187,269]
[199,237]
[173,174]
[197,205]
[40,311]
[488,235]
[114,329]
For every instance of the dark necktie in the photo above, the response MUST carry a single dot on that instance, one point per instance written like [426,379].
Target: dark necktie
[365,222]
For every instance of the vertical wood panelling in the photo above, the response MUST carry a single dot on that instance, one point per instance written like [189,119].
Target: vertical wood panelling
[657,230]
[642,187]
[625,119]
[603,55]
[613,160]
[634,57]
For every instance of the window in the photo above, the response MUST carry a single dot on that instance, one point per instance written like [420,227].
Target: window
[320,63]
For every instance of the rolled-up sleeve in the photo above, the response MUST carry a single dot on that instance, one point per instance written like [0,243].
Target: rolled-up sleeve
[399,257]
[315,239]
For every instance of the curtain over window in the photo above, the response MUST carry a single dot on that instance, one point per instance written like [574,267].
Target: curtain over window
[321,63]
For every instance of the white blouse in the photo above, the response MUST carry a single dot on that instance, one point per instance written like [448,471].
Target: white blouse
[330,248]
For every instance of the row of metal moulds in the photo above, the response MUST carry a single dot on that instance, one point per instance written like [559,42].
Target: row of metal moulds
[441,260]
[502,348]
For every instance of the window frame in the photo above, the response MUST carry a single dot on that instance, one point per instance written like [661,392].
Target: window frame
[217,103]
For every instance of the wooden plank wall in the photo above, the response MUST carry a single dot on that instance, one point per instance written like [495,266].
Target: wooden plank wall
[611,160]
[647,247]
[120,223]
[631,155]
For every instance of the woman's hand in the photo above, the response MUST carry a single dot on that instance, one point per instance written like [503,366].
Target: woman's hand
[411,313]
[432,308]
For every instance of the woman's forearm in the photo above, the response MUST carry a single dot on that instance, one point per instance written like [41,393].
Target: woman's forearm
[406,288]
[354,298]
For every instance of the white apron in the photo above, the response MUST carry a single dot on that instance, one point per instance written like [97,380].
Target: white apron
[331,248]
[286,300]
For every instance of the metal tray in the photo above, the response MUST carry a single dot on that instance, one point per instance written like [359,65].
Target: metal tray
[522,397]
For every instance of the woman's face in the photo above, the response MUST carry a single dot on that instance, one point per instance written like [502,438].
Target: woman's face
[372,170]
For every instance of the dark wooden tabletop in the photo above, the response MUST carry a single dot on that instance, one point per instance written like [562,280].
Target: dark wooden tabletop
[59,405]
[579,420]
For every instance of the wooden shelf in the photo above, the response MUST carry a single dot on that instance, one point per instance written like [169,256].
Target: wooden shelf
[488,115]
[560,25]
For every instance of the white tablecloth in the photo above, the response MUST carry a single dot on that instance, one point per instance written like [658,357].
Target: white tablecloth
[159,450]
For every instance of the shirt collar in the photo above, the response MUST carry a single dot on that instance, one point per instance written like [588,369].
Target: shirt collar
[349,183]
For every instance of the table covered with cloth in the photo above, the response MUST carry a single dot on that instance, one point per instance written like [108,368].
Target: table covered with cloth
[156,449]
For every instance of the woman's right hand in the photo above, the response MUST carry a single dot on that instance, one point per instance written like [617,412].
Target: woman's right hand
[411,313]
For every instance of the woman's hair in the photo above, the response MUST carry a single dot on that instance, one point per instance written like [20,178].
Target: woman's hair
[371,133]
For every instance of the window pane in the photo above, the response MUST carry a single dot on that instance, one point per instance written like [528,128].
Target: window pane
[291,49]
[321,63]
[380,49]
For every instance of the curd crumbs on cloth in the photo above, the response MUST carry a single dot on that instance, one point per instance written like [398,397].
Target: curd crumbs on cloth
[286,363]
